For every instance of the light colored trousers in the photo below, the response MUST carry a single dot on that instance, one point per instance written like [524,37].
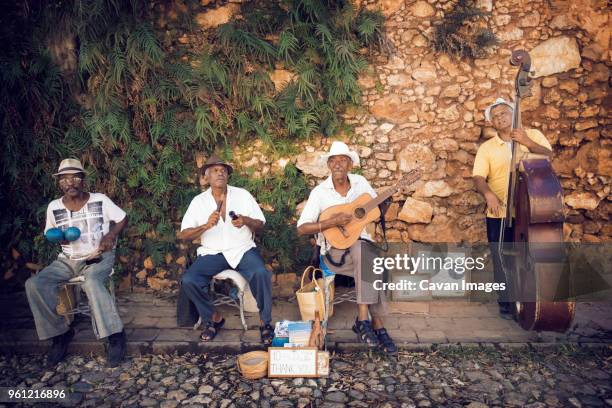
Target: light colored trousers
[361,253]
[42,290]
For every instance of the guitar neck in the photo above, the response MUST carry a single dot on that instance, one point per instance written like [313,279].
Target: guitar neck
[376,201]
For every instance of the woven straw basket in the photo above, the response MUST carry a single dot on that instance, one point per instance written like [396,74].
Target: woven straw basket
[253,365]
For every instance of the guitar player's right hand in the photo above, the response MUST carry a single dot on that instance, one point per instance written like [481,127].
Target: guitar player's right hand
[342,219]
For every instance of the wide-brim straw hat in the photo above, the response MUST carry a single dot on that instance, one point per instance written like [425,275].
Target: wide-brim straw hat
[338,149]
[70,166]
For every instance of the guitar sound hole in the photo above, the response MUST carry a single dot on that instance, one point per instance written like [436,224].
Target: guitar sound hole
[359,212]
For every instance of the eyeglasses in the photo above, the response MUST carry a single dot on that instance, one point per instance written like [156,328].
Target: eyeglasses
[73,180]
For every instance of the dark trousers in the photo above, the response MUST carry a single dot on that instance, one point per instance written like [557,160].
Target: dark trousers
[493,229]
[196,282]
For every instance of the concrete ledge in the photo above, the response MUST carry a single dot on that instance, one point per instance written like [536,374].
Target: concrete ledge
[137,348]
[512,346]
[415,347]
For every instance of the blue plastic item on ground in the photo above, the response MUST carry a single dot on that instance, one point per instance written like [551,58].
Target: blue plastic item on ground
[326,271]
[279,341]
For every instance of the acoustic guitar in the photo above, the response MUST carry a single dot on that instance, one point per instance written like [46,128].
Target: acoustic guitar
[364,210]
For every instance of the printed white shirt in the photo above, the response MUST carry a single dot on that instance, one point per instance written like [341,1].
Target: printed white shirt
[93,220]
[224,238]
[325,195]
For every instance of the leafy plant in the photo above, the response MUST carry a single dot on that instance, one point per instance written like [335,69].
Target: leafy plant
[136,110]
[460,34]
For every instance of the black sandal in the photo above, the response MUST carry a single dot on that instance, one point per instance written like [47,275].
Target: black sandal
[267,334]
[211,330]
[364,331]
[386,342]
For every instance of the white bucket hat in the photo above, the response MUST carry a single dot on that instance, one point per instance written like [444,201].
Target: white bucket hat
[498,101]
[70,166]
[338,149]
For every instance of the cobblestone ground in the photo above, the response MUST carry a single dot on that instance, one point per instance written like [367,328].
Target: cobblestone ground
[451,376]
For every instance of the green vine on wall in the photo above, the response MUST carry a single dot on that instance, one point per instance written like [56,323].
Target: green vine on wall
[462,32]
[136,112]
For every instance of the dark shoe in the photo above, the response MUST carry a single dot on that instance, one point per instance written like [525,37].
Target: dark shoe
[266,333]
[386,342]
[59,347]
[211,330]
[505,310]
[116,349]
[364,331]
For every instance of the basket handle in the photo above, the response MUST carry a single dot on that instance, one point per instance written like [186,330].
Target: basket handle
[307,272]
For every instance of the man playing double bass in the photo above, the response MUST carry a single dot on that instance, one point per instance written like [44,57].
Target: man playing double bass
[491,174]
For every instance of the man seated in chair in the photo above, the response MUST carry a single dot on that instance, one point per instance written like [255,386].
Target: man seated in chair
[225,218]
[92,255]
[342,187]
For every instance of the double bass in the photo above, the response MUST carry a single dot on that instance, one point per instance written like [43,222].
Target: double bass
[539,279]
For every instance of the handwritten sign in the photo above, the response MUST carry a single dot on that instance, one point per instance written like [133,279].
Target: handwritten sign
[323,363]
[292,362]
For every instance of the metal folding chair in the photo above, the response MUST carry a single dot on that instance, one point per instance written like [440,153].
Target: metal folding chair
[243,300]
[81,305]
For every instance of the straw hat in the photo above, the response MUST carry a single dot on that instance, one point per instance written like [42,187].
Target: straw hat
[70,166]
[338,149]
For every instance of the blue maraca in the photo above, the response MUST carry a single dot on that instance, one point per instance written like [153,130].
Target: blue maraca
[72,234]
[54,235]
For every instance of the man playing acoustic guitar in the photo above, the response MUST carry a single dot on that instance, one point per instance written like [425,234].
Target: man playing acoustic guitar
[341,187]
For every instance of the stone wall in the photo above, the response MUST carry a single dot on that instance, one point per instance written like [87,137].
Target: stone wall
[425,109]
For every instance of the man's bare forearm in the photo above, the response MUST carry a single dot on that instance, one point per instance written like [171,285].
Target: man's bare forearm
[253,224]
[310,228]
[192,233]
[482,186]
[116,229]
[539,149]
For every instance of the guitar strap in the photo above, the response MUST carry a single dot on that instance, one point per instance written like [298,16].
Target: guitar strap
[342,258]
[383,209]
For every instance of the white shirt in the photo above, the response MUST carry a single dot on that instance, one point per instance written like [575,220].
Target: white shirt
[93,219]
[223,238]
[325,195]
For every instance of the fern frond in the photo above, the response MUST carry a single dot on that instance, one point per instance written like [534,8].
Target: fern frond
[287,45]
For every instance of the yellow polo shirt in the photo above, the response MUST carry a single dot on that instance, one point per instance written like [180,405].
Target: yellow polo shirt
[492,162]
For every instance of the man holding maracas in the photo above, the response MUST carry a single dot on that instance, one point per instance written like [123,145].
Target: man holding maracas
[87,226]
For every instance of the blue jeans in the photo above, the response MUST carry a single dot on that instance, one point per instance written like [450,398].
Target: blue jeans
[196,282]
[42,290]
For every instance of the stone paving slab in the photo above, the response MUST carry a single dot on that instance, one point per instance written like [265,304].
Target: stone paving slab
[151,327]
[431,336]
